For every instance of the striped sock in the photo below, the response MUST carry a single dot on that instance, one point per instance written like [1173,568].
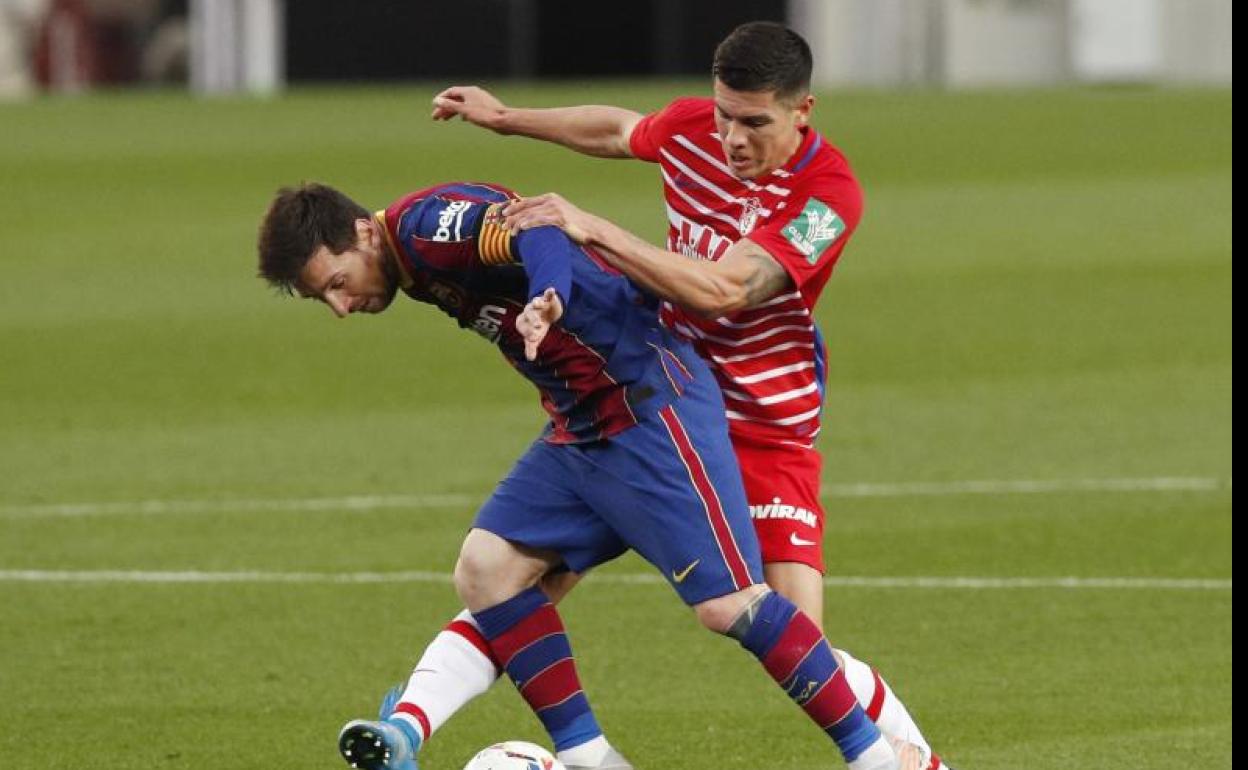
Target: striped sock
[526,636]
[796,654]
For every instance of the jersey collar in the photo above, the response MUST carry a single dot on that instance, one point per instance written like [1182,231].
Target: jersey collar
[392,251]
[803,155]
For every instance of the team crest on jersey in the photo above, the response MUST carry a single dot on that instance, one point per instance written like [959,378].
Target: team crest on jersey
[751,208]
[814,230]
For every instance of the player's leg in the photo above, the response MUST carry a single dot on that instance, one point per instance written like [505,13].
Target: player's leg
[455,668]
[794,652]
[885,709]
[497,580]
[538,510]
[460,663]
[801,584]
[782,484]
[674,494]
[489,571]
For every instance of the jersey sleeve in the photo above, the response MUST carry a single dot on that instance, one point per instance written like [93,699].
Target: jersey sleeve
[458,235]
[656,128]
[546,253]
[810,237]
[440,232]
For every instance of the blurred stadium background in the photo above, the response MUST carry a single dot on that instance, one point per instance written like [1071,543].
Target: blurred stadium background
[226,520]
[260,45]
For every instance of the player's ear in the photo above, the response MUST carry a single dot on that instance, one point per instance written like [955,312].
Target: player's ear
[364,232]
[804,106]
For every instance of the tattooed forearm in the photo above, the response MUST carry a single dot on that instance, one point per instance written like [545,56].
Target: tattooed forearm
[766,280]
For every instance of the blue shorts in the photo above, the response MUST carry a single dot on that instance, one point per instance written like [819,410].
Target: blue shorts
[669,488]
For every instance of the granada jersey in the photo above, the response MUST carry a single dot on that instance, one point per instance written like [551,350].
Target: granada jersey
[605,366]
[770,360]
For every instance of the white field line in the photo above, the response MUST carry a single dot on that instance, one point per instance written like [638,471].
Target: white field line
[360,503]
[299,505]
[946,583]
[1027,487]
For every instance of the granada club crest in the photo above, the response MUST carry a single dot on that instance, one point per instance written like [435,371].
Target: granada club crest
[750,209]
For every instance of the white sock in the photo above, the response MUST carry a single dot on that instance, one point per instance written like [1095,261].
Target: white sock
[452,671]
[878,756]
[588,754]
[894,720]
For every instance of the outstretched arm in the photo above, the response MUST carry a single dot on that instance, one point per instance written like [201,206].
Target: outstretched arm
[596,130]
[747,275]
[546,254]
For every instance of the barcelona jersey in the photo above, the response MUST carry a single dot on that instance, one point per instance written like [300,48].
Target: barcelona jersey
[606,365]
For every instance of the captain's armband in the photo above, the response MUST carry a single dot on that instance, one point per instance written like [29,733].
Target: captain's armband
[494,242]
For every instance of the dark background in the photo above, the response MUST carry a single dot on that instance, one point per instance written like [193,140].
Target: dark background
[385,40]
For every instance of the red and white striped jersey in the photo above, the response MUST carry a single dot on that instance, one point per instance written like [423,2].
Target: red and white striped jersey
[770,360]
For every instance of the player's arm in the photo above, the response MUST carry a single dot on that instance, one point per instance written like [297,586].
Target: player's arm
[746,276]
[546,253]
[597,130]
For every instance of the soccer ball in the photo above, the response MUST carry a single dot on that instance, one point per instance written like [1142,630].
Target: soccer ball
[514,755]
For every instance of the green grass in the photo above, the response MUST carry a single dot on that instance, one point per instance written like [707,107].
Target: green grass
[1041,289]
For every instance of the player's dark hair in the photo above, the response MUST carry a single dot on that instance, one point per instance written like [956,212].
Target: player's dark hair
[764,56]
[298,222]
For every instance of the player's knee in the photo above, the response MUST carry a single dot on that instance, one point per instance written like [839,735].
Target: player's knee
[469,578]
[491,570]
[465,585]
[481,569]
[721,613]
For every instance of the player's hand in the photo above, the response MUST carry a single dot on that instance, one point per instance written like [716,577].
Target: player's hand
[473,104]
[534,321]
[549,209]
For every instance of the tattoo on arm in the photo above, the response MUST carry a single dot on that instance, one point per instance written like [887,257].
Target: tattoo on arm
[767,279]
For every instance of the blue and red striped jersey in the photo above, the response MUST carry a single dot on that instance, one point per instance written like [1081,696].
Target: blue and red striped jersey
[606,365]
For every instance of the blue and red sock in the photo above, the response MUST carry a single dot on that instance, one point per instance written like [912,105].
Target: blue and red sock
[796,654]
[527,639]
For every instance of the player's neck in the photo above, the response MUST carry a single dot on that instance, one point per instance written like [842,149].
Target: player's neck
[793,146]
[389,257]
[798,139]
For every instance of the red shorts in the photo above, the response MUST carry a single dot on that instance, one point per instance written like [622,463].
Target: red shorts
[782,487]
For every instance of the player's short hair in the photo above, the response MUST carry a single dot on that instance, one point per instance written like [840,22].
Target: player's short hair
[298,222]
[764,56]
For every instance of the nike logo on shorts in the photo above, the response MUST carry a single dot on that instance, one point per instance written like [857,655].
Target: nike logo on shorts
[795,540]
[679,577]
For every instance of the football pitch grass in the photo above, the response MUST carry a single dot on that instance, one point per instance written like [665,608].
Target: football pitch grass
[227,519]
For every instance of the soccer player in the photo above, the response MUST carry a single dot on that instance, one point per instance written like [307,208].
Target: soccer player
[760,207]
[635,454]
